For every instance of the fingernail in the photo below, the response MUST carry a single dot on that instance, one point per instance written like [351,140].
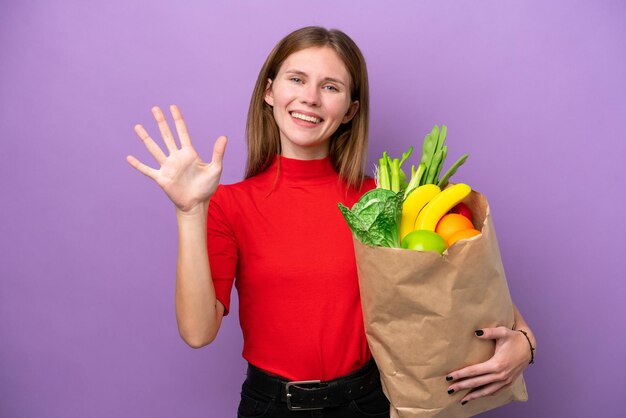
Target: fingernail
[448,378]
[451,391]
[463,403]
[479,332]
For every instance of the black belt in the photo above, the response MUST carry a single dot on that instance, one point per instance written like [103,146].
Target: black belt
[315,394]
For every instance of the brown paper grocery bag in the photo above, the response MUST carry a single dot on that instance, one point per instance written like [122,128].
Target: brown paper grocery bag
[421,310]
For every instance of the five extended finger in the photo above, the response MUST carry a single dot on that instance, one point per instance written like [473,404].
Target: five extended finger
[166,133]
[142,168]
[181,127]
[152,147]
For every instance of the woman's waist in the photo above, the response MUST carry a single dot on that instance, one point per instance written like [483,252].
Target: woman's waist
[324,370]
[302,346]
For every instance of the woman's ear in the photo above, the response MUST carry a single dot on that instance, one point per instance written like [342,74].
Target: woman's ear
[269,96]
[354,107]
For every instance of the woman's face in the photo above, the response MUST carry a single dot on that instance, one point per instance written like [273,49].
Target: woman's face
[310,97]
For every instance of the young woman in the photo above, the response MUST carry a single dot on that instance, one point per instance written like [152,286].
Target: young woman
[280,233]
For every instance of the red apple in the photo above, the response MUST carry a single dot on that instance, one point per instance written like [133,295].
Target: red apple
[462,209]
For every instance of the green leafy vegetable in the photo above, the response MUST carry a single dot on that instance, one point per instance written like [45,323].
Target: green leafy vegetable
[429,147]
[416,178]
[442,137]
[436,161]
[406,155]
[395,175]
[375,218]
[434,154]
[390,174]
[444,149]
[444,180]
[384,181]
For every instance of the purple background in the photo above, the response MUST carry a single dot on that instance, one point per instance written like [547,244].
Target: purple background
[535,91]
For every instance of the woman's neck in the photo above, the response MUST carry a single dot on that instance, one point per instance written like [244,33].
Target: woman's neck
[289,150]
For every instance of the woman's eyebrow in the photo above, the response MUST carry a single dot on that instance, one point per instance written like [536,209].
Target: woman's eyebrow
[302,73]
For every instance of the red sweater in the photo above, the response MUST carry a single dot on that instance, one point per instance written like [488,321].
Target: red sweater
[291,250]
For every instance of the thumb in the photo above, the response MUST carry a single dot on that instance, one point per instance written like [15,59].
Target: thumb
[491,333]
[218,150]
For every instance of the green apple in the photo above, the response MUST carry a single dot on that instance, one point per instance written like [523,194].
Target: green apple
[424,240]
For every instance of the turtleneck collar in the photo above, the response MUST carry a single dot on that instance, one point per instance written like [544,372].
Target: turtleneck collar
[294,170]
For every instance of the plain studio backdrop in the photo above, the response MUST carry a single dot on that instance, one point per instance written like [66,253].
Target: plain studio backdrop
[534,91]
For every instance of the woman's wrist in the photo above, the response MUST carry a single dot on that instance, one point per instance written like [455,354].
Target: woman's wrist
[531,346]
[198,212]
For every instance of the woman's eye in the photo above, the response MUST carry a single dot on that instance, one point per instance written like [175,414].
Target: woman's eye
[295,79]
[331,88]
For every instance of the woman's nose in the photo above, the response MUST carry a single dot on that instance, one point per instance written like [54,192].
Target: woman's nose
[310,95]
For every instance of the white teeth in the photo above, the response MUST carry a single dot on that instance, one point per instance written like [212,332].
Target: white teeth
[305,117]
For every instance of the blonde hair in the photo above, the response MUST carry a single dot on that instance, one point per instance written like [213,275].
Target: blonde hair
[348,145]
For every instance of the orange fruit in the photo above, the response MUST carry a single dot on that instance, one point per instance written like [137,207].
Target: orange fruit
[463,234]
[452,223]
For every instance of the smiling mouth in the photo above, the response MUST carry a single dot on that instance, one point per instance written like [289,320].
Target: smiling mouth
[306,118]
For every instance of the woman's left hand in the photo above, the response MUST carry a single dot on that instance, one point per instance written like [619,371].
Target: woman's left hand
[511,357]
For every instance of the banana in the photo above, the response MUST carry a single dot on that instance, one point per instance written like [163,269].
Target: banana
[440,205]
[413,204]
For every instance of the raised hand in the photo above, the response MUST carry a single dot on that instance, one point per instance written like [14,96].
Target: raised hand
[188,181]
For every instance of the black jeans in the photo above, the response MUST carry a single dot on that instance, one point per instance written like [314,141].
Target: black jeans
[254,404]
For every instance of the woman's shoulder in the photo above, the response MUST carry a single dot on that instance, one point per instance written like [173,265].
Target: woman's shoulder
[354,193]
[226,191]
[226,200]
[233,192]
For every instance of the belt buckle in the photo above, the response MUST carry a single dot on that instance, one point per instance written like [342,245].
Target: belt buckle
[298,383]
